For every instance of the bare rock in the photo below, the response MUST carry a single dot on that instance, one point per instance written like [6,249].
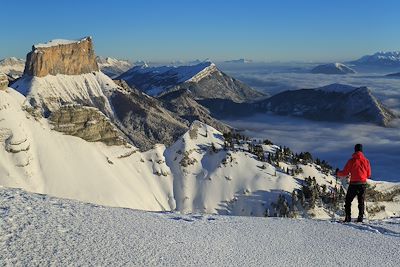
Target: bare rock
[61,57]
[3,81]
[87,123]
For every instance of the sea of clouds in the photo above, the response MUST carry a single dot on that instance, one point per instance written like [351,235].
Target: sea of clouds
[333,142]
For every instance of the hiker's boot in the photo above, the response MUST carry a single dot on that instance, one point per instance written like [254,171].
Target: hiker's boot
[347,218]
[360,219]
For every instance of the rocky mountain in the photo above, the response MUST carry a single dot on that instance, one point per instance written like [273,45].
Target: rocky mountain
[90,105]
[382,59]
[204,80]
[69,57]
[113,67]
[334,102]
[332,68]
[3,81]
[13,67]
[183,104]
[143,118]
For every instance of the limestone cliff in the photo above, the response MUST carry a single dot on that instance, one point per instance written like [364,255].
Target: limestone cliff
[87,123]
[61,57]
[3,81]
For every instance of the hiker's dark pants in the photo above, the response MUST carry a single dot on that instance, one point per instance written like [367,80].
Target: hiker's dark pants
[353,191]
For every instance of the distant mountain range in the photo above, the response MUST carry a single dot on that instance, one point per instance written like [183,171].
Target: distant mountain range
[239,61]
[382,59]
[335,102]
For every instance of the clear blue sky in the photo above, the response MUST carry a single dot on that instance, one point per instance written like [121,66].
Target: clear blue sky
[315,30]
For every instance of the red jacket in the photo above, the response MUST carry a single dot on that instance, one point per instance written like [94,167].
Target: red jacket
[358,167]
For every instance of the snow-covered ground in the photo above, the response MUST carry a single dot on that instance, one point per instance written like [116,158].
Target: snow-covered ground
[52,91]
[188,176]
[39,230]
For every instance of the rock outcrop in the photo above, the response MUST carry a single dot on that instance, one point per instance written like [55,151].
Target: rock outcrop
[3,81]
[61,57]
[183,104]
[143,118]
[87,123]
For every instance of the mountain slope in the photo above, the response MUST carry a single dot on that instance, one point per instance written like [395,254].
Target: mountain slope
[47,230]
[397,74]
[113,67]
[49,93]
[204,80]
[182,103]
[13,67]
[143,118]
[331,103]
[332,68]
[200,172]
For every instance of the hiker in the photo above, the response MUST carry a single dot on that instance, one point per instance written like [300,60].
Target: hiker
[359,170]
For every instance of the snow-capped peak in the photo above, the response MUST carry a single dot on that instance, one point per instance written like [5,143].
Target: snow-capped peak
[56,42]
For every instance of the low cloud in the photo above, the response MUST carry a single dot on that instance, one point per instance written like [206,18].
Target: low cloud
[333,142]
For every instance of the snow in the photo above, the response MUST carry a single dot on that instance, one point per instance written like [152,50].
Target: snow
[57,42]
[42,230]
[187,176]
[182,73]
[70,167]
[333,68]
[169,76]
[12,66]
[55,90]
[113,67]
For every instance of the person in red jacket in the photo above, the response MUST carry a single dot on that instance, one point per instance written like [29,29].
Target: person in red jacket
[358,169]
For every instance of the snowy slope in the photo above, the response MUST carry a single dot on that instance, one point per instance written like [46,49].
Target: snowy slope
[39,159]
[41,230]
[204,80]
[113,67]
[189,176]
[12,66]
[50,92]
[155,80]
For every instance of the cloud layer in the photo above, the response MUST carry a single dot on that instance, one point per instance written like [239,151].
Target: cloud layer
[330,141]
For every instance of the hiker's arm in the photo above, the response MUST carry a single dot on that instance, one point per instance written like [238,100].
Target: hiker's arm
[346,170]
[369,171]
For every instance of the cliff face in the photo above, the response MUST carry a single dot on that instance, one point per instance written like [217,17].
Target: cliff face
[3,81]
[61,57]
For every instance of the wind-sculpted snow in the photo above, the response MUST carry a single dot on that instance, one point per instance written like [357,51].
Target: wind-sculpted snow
[37,229]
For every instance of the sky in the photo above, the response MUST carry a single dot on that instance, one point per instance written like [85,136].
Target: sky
[160,30]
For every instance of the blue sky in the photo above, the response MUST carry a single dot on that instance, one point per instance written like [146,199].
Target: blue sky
[284,30]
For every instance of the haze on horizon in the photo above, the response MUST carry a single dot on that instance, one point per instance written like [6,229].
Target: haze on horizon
[156,30]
